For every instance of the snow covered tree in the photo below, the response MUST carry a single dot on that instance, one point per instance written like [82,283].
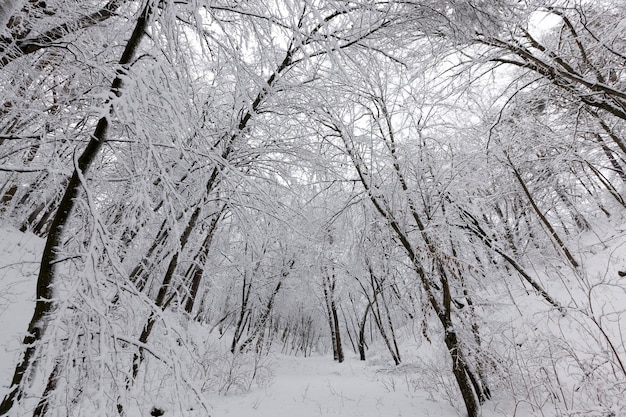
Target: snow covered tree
[309,175]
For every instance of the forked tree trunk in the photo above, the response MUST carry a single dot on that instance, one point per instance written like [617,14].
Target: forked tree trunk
[244,311]
[261,325]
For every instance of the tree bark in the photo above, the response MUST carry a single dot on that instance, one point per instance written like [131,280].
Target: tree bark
[361,344]
[333,317]
[552,232]
[198,269]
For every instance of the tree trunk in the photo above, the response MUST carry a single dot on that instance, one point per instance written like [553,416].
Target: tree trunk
[542,217]
[333,317]
[338,356]
[260,327]
[201,257]
[362,345]
[378,317]
[461,374]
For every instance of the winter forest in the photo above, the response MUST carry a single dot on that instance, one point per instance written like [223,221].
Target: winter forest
[192,189]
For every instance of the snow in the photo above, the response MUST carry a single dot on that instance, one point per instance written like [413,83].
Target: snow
[317,386]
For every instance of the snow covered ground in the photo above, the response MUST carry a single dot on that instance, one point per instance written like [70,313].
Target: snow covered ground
[316,386]
[312,387]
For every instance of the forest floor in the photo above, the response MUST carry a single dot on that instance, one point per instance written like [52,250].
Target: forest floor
[317,386]
[287,385]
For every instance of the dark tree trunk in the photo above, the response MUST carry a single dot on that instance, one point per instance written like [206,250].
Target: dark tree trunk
[333,317]
[201,257]
[461,374]
[551,231]
[390,342]
[261,325]
[244,311]
[362,345]
[338,356]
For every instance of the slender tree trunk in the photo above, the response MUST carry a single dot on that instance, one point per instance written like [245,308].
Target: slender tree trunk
[590,188]
[333,317]
[392,346]
[261,325]
[349,327]
[201,257]
[241,321]
[339,357]
[396,350]
[362,345]
[46,280]
[331,326]
[551,231]
[475,228]
[615,138]
[609,155]
[38,221]
[607,184]
[139,272]
[244,311]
